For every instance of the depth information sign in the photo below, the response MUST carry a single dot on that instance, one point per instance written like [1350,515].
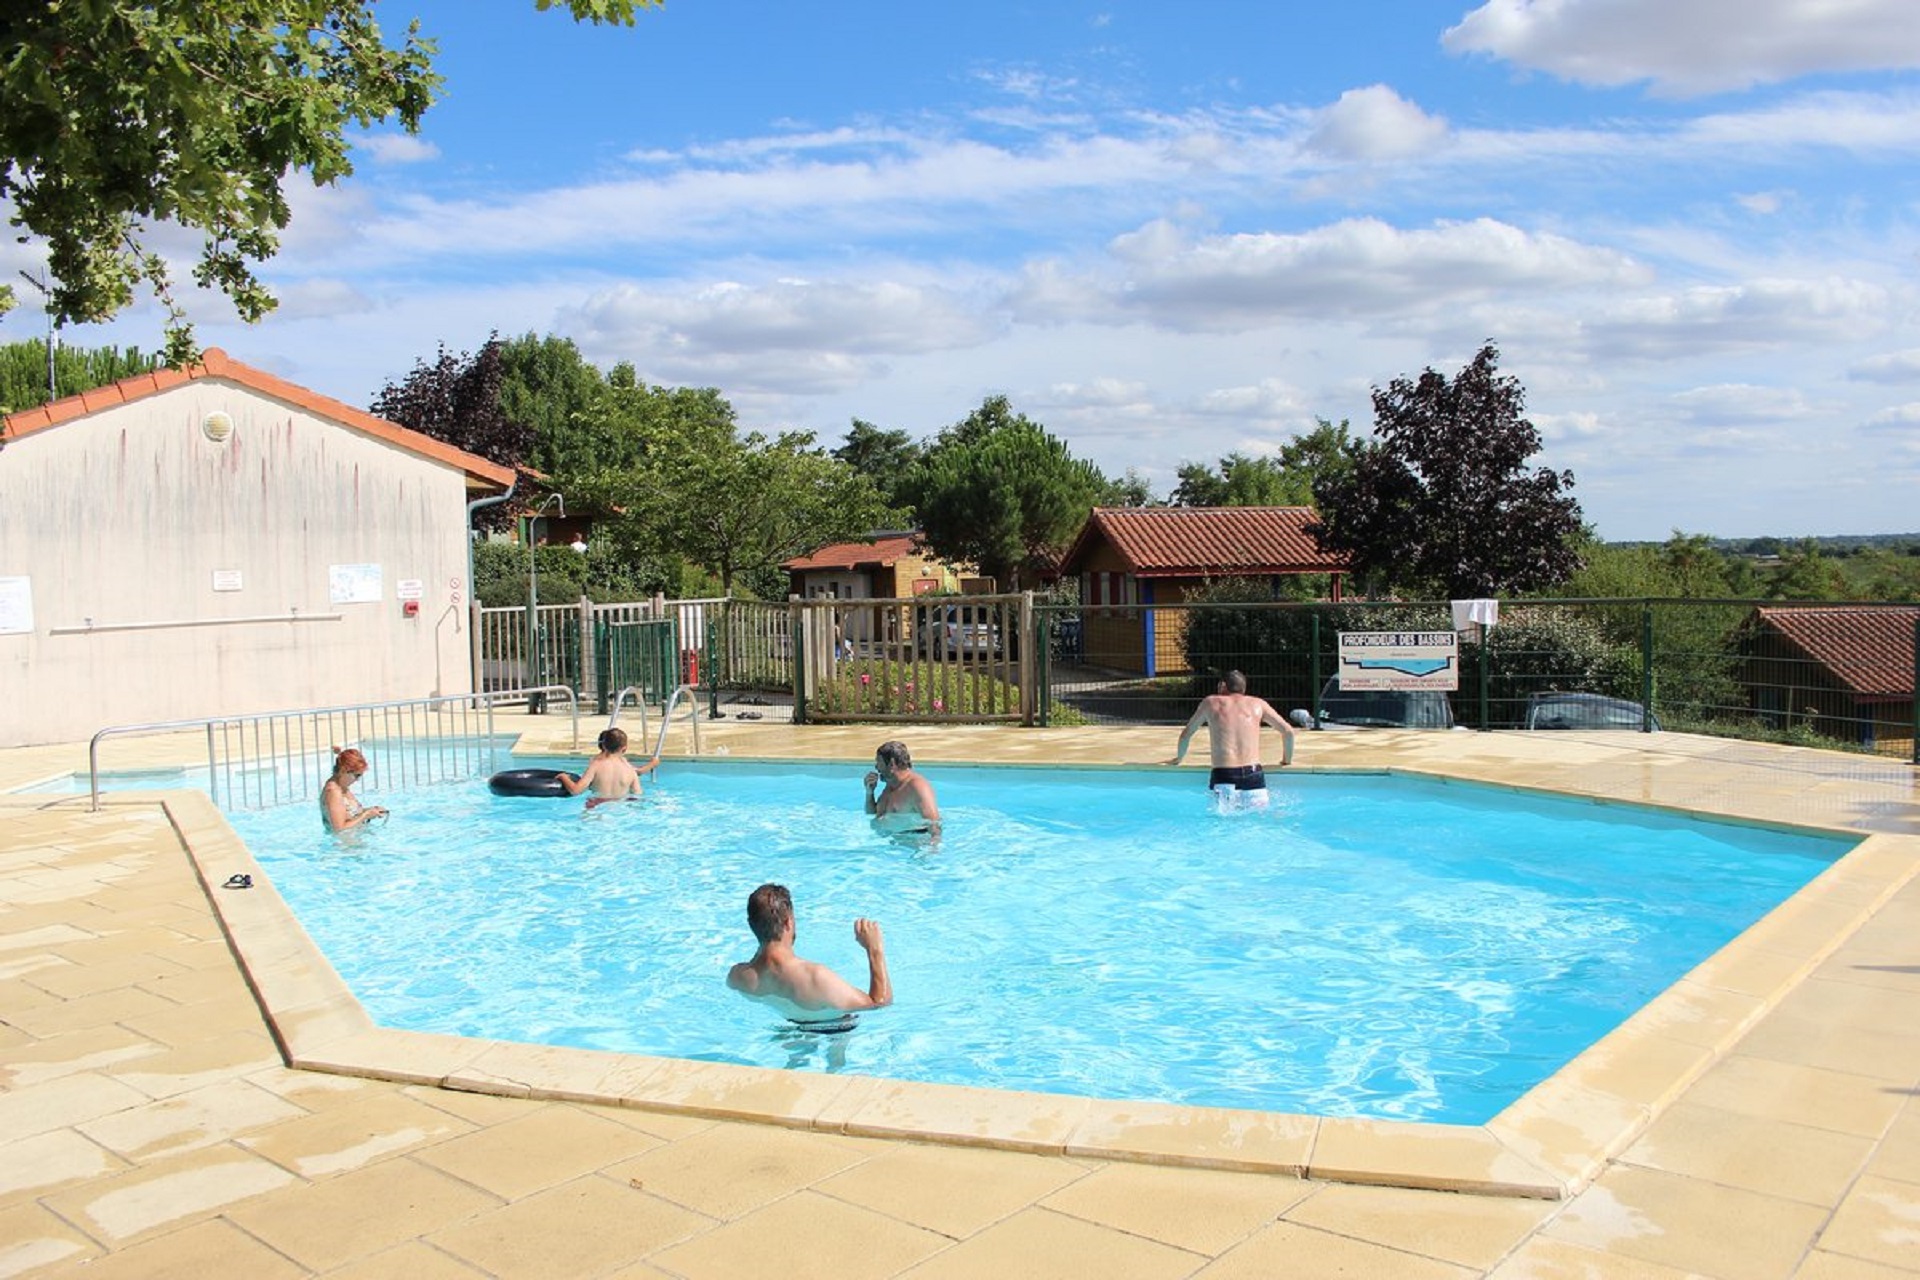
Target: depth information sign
[1400,660]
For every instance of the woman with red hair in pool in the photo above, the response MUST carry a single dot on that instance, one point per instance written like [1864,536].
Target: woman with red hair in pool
[338,805]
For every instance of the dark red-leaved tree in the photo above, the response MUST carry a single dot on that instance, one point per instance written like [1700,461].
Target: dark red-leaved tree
[457,399]
[1441,500]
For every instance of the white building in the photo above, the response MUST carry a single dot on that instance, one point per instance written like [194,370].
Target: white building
[219,541]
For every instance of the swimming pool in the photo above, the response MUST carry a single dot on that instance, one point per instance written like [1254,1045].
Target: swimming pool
[1094,932]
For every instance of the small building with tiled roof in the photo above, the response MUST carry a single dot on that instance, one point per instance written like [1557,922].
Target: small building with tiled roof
[1133,556]
[1844,671]
[216,541]
[894,564]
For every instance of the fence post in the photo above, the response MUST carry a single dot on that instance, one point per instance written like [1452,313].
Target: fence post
[1486,722]
[1916,690]
[589,675]
[1313,669]
[1646,666]
[796,624]
[1028,664]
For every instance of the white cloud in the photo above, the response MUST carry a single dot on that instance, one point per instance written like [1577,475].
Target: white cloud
[1763,203]
[1270,399]
[1375,123]
[1893,367]
[1686,47]
[1899,417]
[1353,268]
[1755,315]
[397,148]
[1742,403]
[787,335]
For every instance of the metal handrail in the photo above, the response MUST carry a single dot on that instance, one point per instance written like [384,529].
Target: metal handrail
[666,717]
[284,734]
[639,700]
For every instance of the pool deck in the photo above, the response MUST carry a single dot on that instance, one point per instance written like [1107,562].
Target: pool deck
[1760,1120]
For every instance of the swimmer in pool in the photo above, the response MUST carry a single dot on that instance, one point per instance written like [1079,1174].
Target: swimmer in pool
[905,804]
[1233,718]
[803,990]
[608,775]
[340,809]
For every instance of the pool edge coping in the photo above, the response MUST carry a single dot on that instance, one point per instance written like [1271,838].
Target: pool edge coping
[1547,1145]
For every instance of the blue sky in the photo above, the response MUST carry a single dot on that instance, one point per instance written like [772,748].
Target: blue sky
[1168,232]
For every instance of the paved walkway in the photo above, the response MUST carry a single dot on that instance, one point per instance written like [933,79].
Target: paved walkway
[149,1128]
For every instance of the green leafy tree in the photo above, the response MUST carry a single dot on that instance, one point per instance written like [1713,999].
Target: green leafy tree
[1805,573]
[1441,499]
[687,486]
[1130,490]
[23,371]
[998,491]
[117,115]
[888,458]
[1285,480]
[547,385]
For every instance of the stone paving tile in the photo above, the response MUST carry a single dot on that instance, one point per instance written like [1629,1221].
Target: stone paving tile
[1899,1152]
[68,980]
[210,1250]
[808,1237]
[1821,1265]
[955,1191]
[164,1194]
[31,1166]
[1543,1258]
[1838,1100]
[321,1091]
[33,1240]
[530,1153]
[217,1057]
[340,1139]
[186,1121]
[1289,1249]
[1202,1211]
[185,1025]
[1878,1221]
[67,1100]
[1764,1154]
[328,1224]
[580,1228]
[1472,1231]
[125,1005]
[1689,1224]
[38,1061]
[410,1261]
[730,1170]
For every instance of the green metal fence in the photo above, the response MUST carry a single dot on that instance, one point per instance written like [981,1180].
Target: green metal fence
[1829,675]
[643,656]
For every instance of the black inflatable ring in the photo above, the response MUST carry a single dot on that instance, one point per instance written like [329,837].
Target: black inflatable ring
[526,782]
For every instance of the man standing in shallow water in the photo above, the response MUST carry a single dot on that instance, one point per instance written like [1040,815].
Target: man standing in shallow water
[905,804]
[804,988]
[1233,718]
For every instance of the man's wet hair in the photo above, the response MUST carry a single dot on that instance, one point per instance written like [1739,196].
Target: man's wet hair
[895,753]
[1236,682]
[769,909]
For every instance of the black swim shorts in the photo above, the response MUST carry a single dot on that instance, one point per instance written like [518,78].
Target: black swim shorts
[1246,777]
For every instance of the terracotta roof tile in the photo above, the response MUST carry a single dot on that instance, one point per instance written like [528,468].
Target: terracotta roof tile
[214,363]
[1869,651]
[1205,542]
[851,555]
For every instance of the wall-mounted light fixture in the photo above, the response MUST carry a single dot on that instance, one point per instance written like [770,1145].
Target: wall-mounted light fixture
[217,426]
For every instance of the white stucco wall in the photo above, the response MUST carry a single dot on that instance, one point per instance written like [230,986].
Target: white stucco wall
[123,518]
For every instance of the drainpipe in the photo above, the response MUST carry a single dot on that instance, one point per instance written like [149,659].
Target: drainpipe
[473,590]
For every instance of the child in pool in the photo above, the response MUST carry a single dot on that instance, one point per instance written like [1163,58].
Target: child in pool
[608,775]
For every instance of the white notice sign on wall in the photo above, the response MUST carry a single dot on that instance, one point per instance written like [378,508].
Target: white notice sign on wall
[353,583]
[226,580]
[411,589]
[16,606]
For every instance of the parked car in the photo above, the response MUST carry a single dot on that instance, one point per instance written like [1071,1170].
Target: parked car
[960,630]
[1585,711]
[1378,709]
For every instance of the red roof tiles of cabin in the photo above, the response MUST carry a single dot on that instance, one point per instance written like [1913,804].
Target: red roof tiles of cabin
[1869,651]
[1205,542]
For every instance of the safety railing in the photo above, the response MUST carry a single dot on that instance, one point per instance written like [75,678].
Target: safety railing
[272,758]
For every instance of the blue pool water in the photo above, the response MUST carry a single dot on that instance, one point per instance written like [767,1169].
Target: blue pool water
[1367,946]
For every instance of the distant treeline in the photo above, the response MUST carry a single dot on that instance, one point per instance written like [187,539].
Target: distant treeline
[23,371]
[1835,545]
